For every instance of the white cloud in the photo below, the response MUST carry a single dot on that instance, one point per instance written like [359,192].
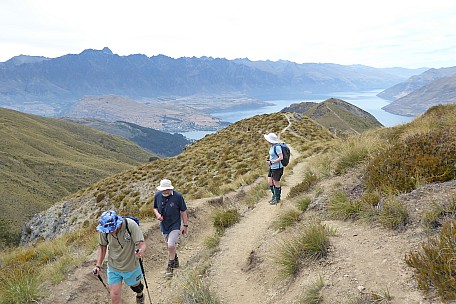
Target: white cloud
[381,34]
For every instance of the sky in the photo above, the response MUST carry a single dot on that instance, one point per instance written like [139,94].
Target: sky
[399,33]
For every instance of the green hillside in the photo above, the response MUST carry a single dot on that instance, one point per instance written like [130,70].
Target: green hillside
[43,160]
[339,116]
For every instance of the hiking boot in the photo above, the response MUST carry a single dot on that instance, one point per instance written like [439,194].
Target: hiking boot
[140,300]
[169,269]
[273,201]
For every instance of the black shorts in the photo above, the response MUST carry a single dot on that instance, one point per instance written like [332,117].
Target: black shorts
[276,174]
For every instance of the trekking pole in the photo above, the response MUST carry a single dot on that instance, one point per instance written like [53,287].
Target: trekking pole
[144,275]
[101,280]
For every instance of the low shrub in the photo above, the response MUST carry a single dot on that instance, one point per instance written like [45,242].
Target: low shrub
[419,159]
[434,265]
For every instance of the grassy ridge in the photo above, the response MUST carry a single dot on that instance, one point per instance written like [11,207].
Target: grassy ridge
[45,159]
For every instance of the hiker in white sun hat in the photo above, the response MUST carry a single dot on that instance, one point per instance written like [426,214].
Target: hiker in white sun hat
[275,171]
[171,210]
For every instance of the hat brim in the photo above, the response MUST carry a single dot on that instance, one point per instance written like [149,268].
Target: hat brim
[271,140]
[165,188]
[102,229]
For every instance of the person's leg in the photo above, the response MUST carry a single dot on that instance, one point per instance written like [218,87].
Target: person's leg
[116,290]
[276,176]
[138,288]
[115,285]
[133,279]
[173,239]
[271,186]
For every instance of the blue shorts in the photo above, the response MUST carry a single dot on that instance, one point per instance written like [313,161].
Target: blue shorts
[130,278]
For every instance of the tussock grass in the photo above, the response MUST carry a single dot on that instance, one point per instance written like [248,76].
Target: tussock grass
[305,185]
[312,293]
[340,207]
[374,297]
[22,271]
[355,150]
[197,291]
[303,203]
[20,284]
[256,194]
[393,214]
[286,219]
[438,214]
[212,243]
[223,219]
[310,243]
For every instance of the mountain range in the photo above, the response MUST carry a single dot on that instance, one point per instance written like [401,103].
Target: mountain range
[50,86]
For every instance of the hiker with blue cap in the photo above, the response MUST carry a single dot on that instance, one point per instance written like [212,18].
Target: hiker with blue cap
[126,246]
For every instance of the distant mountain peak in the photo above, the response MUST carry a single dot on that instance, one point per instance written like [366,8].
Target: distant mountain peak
[105,51]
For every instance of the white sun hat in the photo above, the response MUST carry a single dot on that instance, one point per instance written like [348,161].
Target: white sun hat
[272,138]
[165,184]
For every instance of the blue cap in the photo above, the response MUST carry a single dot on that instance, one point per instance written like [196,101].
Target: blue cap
[109,221]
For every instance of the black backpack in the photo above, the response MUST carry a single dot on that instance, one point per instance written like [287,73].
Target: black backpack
[126,224]
[286,153]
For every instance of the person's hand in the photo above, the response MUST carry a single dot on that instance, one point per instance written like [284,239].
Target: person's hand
[160,217]
[184,229]
[96,270]
[268,162]
[139,253]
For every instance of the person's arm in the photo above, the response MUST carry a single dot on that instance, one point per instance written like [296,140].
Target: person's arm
[184,221]
[157,213]
[100,258]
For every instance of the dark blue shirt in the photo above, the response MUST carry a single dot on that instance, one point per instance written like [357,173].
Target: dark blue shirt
[170,207]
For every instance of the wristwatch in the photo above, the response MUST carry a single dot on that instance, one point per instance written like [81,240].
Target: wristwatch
[185,225]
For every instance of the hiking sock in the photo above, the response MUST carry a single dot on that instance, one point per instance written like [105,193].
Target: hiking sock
[176,261]
[277,191]
[273,194]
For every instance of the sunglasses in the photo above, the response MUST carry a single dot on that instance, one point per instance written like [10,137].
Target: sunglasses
[110,224]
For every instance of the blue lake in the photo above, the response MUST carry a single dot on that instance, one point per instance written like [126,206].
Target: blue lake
[368,101]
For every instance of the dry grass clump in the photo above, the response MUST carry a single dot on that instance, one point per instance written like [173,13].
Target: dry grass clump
[312,293]
[390,213]
[303,203]
[310,243]
[438,214]
[305,185]
[286,219]
[23,270]
[223,219]
[374,297]
[197,291]
[434,264]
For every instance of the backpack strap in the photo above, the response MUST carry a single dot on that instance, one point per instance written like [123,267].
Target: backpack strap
[275,145]
[126,225]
